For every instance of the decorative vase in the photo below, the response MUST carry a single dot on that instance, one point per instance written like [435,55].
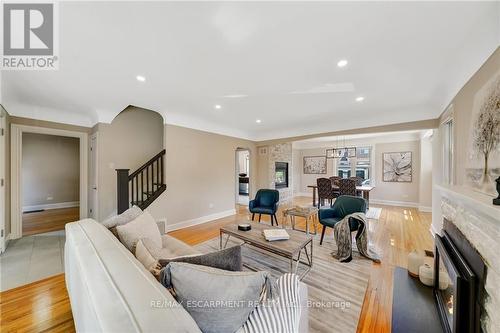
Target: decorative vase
[426,275]
[415,260]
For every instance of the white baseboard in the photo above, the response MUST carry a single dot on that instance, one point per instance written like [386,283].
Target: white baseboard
[52,206]
[199,220]
[394,203]
[425,209]
[303,194]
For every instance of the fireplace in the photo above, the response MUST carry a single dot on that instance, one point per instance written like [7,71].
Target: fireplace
[459,304]
[281,175]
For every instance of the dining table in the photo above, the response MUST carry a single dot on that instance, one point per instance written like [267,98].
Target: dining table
[364,189]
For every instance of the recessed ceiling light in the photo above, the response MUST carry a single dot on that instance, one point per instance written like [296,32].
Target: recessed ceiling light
[217,106]
[360,99]
[140,78]
[342,63]
[258,121]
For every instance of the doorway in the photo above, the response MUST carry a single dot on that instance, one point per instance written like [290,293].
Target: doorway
[242,176]
[51,206]
[50,180]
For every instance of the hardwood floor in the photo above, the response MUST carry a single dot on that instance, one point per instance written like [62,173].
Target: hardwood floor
[49,220]
[44,305]
[36,307]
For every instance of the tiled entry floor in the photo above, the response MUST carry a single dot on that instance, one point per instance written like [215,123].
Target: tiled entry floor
[32,258]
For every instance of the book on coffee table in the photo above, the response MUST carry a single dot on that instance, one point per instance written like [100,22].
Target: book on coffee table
[275,234]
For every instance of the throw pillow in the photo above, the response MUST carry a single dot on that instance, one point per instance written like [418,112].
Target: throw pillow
[227,259]
[124,218]
[219,301]
[146,259]
[279,314]
[144,226]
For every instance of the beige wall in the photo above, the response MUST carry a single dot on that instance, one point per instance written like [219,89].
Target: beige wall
[462,105]
[134,136]
[50,169]
[48,124]
[462,113]
[425,188]
[399,192]
[310,179]
[6,160]
[384,191]
[200,174]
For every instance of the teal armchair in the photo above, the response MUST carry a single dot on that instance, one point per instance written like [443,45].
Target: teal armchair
[265,202]
[343,206]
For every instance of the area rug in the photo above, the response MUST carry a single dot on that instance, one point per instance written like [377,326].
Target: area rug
[336,290]
[373,213]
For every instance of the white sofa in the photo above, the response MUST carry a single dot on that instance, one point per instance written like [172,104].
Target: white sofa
[111,291]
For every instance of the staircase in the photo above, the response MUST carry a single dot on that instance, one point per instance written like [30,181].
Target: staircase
[141,187]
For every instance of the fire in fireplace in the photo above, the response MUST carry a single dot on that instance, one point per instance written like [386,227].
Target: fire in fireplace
[459,300]
[281,175]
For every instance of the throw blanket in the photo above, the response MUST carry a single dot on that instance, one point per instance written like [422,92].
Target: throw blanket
[343,238]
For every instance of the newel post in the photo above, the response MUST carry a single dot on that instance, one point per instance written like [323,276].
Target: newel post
[122,190]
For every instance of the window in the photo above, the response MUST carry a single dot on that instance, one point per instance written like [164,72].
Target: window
[448,152]
[359,166]
[363,163]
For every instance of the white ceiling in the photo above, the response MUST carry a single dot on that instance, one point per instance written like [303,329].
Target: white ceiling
[408,59]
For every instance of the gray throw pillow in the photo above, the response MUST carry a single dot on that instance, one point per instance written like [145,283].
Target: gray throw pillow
[124,218]
[219,301]
[227,259]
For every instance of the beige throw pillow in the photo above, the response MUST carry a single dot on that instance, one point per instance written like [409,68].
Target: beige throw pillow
[124,218]
[144,226]
[146,259]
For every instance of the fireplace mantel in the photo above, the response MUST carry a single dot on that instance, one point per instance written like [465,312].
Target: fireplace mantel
[472,200]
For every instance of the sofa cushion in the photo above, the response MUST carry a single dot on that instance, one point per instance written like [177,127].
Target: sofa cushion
[278,314]
[110,291]
[144,226]
[123,218]
[228,259]
[219,301]
[263,210]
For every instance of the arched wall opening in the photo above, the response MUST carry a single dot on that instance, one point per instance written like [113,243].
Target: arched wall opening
[133,137]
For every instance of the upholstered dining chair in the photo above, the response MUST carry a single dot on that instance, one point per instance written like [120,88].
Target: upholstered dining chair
[335,183]
[325,191]
[335,180]
[359,182]
[265,202]
[343,206]
[347,186]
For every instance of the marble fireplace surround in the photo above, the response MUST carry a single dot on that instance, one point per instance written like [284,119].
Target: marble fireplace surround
[479,221]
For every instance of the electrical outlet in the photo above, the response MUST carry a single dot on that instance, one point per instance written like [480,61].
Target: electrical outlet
[50,198]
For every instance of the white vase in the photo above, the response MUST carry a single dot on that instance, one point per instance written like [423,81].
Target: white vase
[426,275]
[415,260]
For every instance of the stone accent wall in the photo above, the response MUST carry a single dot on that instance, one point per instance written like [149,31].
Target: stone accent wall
[281,153]
[483,232]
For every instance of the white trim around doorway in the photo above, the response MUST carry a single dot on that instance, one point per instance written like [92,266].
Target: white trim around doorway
[16,165]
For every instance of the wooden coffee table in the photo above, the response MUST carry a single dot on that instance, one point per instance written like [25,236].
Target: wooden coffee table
[290,249]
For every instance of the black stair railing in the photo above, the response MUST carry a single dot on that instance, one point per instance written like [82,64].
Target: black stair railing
[141,187]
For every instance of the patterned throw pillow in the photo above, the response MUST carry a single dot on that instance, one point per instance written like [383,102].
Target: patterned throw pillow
[279,314]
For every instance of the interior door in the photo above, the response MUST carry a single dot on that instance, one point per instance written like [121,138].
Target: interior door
[93,207]
[2,181]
